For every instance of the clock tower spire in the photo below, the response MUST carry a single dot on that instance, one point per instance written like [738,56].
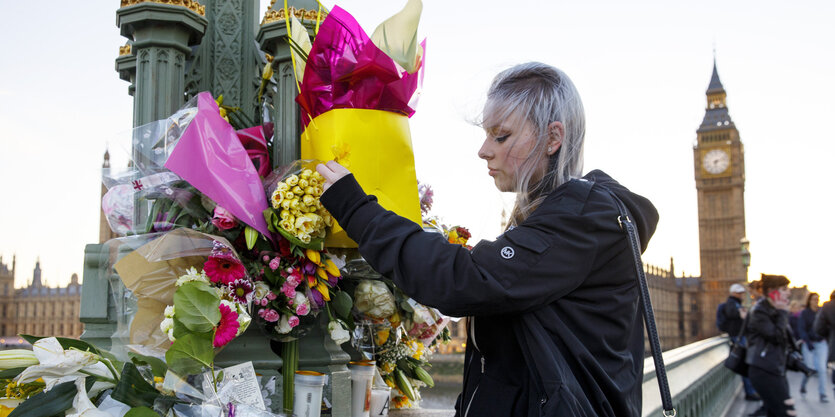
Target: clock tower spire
[719,164]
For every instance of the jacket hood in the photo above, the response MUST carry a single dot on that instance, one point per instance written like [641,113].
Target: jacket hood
[641,209]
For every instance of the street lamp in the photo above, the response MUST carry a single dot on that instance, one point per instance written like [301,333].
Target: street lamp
[746,255]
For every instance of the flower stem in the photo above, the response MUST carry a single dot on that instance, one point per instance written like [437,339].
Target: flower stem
[99,377]
[290,357]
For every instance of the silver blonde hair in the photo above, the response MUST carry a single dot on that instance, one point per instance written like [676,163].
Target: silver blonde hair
[541,94]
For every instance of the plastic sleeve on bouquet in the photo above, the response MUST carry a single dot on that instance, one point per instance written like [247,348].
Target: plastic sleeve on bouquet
[150,271]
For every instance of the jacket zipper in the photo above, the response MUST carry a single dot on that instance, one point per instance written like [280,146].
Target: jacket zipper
[483,361]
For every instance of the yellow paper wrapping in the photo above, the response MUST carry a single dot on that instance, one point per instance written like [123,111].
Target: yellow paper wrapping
[376,146]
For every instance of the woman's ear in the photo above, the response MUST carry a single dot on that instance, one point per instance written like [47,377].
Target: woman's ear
[556,131]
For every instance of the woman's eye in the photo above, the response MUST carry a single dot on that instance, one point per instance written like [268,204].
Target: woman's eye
[501,139]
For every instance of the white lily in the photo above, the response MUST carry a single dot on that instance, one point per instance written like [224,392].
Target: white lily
[58,365]
[81,404]
[397,36]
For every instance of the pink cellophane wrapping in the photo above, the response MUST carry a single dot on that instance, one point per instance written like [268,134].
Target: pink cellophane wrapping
[346,70]
[210,157]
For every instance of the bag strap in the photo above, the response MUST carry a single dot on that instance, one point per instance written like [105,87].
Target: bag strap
[744,324]
[649,317]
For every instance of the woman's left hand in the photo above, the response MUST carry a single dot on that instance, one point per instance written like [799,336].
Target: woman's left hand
[332,172]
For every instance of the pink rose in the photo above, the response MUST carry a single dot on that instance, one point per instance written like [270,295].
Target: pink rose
[265,258]
[271,296]
[302,309]
[289,292]
[261,313]
[275,263]
[223,219]
[294,279]
[272,316]
[264,302]
[293,321]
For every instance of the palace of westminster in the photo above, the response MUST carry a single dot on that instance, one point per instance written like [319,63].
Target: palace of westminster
[684,306]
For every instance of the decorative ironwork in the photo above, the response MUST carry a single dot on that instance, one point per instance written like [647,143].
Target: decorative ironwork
[301,14]
[192,5]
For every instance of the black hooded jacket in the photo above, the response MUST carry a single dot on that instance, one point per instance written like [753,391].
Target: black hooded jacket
[556,328]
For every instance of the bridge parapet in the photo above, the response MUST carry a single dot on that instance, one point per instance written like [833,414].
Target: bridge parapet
[700,385]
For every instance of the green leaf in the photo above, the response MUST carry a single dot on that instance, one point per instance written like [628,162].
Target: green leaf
[158,366]
[342,304]
[180,330]
[141,412]
[196,306]
[251,236]
[50,403]
[190,354]
[11,372]
[133,390]
[65,343]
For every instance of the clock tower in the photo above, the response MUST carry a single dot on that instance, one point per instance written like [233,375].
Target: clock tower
[719,164]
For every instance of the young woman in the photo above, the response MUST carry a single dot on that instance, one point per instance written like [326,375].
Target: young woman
[555,327]
[815,349]
[769,342]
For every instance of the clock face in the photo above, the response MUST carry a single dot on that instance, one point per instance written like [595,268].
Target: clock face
[716,161]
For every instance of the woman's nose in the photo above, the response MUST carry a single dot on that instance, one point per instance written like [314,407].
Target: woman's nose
[485,152]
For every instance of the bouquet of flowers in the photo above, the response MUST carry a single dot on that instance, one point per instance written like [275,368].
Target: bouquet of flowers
[356,95]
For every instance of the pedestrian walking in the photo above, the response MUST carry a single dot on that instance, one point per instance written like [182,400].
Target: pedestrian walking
[815,349]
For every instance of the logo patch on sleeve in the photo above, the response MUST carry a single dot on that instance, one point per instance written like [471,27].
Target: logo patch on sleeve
[507,252]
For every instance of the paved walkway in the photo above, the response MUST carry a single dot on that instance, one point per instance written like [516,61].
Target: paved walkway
[806,405]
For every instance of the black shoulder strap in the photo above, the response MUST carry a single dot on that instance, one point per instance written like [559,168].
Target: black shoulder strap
[649,317]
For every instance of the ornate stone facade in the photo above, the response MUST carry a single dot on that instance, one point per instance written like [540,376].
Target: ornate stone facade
[37,309]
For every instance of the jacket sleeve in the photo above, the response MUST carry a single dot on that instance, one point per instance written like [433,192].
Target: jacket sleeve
[821,324]
[732,310]
[760,323]
[802,326]
[503,276]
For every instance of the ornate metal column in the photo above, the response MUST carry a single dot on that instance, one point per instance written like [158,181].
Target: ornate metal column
[273,38]
[228,61]
[161,35]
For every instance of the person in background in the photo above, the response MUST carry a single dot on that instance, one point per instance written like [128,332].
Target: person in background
[769,342]
[795,307]
[755,289]
[825,326]
[814,348]
[734,313]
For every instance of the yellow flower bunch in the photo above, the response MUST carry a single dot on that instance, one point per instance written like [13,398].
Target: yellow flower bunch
[297,200]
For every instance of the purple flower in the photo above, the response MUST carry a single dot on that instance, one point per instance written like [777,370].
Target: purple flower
[426,194]
[316,298]
[309,268]
[241,290]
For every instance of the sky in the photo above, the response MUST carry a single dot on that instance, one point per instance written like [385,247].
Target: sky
[641,67]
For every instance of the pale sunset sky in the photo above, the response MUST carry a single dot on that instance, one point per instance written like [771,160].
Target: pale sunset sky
[641,67]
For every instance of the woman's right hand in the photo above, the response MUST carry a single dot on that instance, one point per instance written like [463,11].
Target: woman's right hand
[332,172]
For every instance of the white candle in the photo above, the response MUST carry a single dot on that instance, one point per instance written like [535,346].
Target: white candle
[380,401]
[361,375]
[307,394]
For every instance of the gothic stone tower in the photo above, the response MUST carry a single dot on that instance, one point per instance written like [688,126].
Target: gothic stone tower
[718,160]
